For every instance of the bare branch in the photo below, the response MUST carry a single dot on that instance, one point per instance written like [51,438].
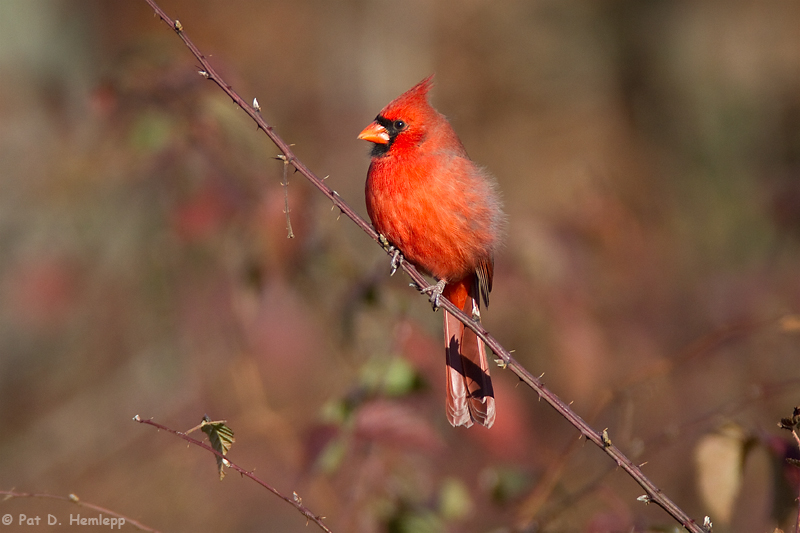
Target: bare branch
[294,501]
[653,493]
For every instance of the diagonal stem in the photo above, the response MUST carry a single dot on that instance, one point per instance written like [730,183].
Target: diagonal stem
[652,493]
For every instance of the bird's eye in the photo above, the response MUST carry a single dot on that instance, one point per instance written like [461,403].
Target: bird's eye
[399,125]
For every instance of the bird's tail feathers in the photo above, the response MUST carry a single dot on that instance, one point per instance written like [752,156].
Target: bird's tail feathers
[470,397]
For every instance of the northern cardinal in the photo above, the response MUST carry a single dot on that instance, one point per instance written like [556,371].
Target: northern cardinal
[442,212]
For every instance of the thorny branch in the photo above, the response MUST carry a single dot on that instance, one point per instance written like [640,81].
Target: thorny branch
[652,493]
[294,501]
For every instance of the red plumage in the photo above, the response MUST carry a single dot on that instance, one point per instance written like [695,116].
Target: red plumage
[430,200]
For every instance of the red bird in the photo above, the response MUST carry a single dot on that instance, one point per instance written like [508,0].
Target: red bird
[431,202]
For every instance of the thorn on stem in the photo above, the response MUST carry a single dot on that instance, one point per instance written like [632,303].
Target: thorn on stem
[285,184]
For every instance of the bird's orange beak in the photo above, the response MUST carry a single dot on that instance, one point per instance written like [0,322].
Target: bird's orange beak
[375,133]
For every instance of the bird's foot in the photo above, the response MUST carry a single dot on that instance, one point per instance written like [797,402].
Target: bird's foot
[436,292]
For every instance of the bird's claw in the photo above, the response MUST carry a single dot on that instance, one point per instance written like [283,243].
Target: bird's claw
[436,292]
[397,257]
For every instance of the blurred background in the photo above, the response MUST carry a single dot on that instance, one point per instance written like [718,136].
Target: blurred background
[649,158]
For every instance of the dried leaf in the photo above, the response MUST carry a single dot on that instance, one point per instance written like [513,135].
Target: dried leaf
[720,460]
[792,422]
[221,439]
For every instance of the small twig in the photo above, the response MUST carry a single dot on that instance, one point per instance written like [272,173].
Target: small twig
[295,501]
[653,492]
[10,494]
[285,184]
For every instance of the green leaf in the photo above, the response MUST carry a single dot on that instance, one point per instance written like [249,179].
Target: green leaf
[221,438]
[506,484]
[151,132]
[400,379]
[419,521]
[454,500]
[332,456]
[393,376]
